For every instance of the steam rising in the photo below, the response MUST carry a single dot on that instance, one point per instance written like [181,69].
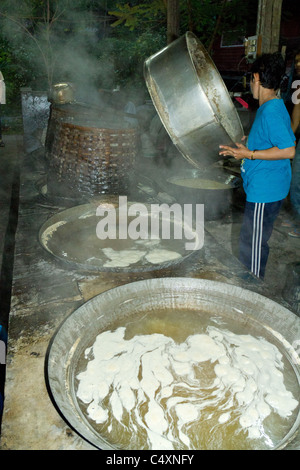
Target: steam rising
[74,46]
[69,47]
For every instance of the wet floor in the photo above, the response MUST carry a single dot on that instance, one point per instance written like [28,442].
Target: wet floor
[10,157]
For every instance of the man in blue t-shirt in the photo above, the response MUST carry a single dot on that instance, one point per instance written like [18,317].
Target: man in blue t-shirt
[266,167]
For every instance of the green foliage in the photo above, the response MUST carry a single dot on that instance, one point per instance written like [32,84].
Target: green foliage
[44,29]
[127,56]
[201,17]
[100,42]
[131,15]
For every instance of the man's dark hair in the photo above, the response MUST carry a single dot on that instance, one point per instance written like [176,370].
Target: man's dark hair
[270,68]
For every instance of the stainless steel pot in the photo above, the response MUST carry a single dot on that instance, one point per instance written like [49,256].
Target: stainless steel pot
[192,100]
[213,188]
[253,311]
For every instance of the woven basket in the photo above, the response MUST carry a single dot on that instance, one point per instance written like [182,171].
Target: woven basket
[93,160]
[70,114]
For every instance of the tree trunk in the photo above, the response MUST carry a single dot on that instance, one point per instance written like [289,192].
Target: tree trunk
[268,25]
[217,26]
[172,20]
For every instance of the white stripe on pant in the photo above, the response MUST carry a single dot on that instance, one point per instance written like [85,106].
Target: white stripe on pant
[258,219]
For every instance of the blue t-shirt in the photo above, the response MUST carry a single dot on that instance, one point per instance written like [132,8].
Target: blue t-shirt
[268,180]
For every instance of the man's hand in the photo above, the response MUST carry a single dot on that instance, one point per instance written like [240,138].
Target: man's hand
[239,152]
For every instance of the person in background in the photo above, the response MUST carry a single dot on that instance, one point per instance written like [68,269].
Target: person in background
[2,101]
[295,185]
[265,167]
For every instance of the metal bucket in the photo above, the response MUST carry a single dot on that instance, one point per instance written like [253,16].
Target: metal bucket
[192,100]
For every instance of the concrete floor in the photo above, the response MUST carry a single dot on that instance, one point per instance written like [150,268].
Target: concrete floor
[10,157]
[284,250]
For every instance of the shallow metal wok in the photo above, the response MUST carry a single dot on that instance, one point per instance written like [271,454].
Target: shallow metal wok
[75,242]
[253,311]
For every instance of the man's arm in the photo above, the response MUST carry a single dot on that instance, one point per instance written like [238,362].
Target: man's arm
[273,153]
[295,121]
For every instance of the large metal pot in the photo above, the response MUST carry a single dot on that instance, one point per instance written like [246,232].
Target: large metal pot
[254,313]
[192,100]
[212,188]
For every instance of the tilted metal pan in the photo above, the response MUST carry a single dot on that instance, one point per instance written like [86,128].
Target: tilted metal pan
[192,100]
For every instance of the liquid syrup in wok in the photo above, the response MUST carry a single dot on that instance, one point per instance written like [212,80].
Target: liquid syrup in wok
[250,403]
[76,241]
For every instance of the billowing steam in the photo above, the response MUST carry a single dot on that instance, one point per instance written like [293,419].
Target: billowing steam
[66,46]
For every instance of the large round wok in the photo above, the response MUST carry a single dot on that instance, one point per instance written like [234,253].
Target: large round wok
[70,236]
[252,311]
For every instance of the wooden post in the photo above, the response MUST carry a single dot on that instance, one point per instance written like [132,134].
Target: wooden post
[172,20]
[268,25]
